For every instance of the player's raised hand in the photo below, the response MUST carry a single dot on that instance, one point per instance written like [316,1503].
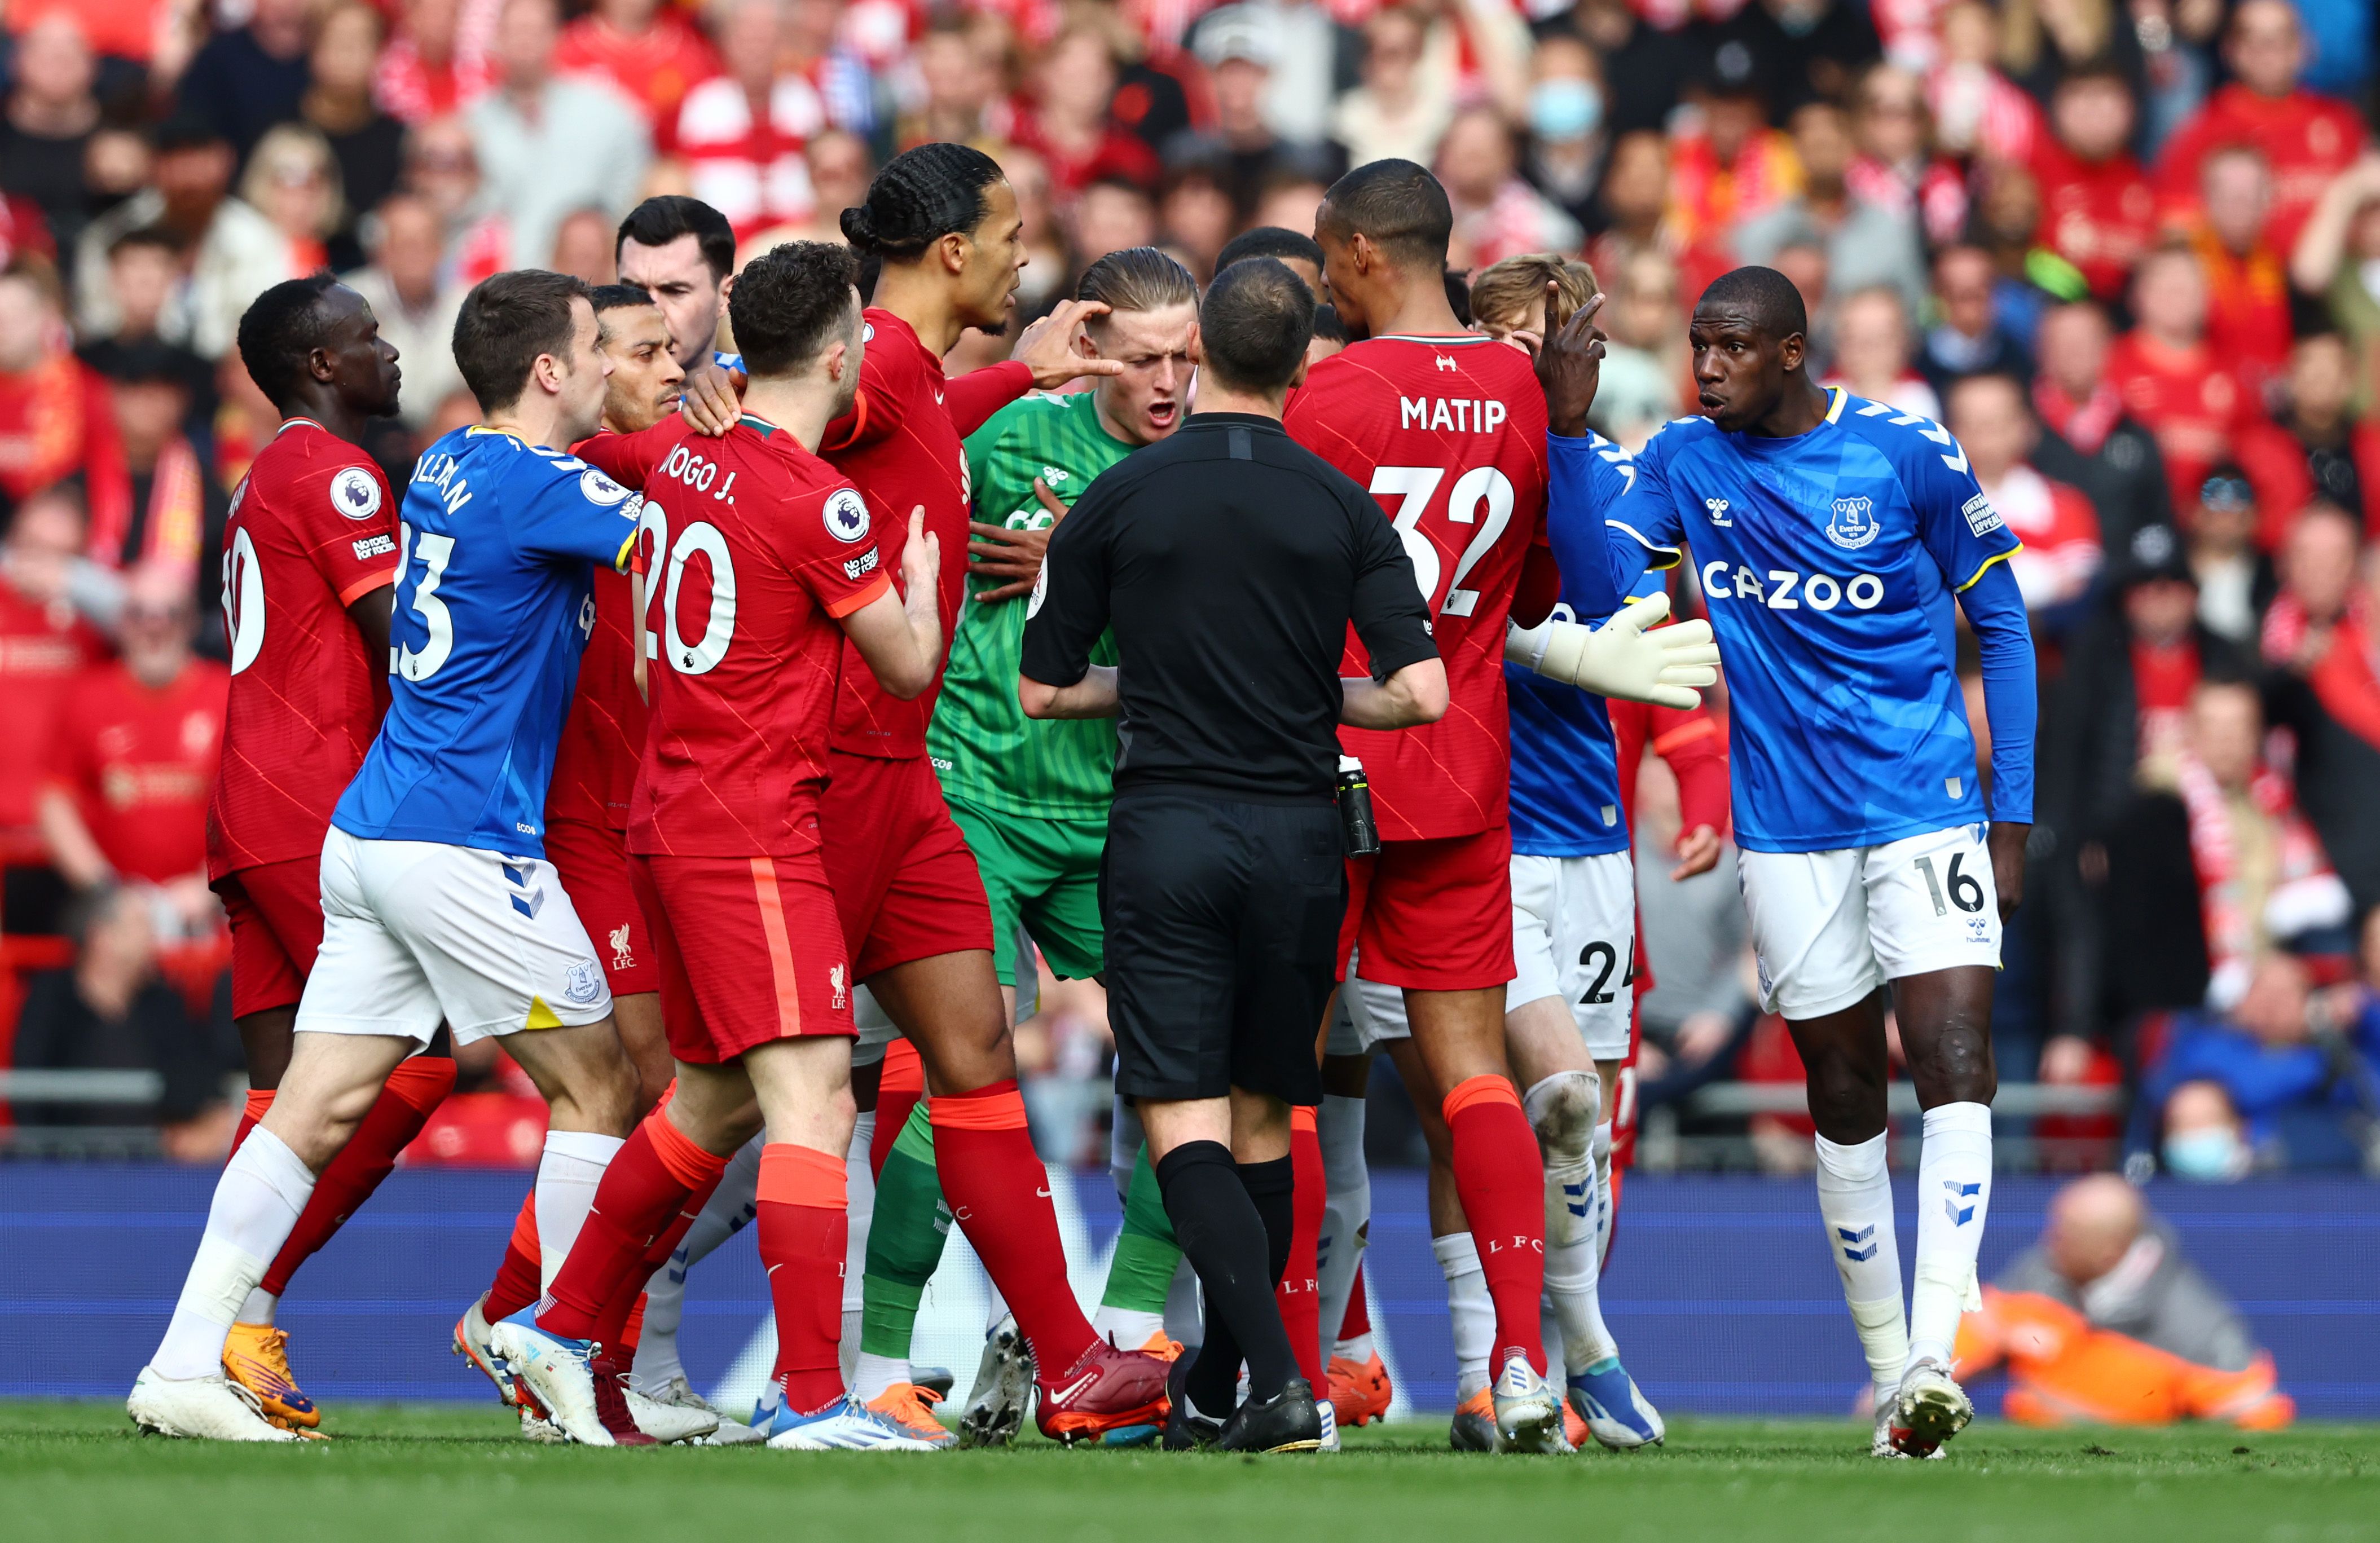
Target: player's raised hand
[999,552]
[713,403]
[1047,347]
[1570,364]
[1628,657]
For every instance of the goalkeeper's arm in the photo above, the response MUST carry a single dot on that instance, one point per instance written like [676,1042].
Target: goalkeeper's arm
[1623,657]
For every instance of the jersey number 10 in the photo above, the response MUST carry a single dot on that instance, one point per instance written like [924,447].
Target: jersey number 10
[1479,486]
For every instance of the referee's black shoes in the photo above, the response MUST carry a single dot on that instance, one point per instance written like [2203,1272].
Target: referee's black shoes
[1288,1421]
[1185,1428]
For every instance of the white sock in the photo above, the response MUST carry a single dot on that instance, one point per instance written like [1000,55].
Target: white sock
[1855,1203]
[1572,1287]
[730,1208]
[1125,1327]
[1358,1350]
[873,1376]
[1124,1140]
[566,1179]
[1954,1191]
[260,1308]
[256,1200]
[1468,1304]
[1603,1213]
[859,1183]
[1562,1110]
[1185,1321]
[1346,1207]
[1549,1333]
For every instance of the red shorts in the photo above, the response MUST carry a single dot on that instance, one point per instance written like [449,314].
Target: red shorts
[771,965]
[1434,915]
[276,929]
[904,880]
[592,863]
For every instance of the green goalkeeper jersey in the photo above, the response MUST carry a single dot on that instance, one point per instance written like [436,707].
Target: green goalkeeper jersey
[984,748]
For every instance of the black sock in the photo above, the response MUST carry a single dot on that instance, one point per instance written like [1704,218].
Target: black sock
[1224,1234]
[1273,1187]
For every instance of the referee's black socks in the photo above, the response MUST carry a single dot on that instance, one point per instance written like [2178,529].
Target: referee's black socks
[1234,1223]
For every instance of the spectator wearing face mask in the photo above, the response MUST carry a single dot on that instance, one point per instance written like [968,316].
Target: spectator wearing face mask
[2104,1322]
[2235,580]
[2272,1083]
[1567,145]
[1497,214]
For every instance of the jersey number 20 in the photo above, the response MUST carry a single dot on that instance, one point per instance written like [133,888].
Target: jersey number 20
[702,655]
[1481,485]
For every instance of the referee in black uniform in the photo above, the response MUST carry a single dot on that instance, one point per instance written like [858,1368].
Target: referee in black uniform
[1230,561]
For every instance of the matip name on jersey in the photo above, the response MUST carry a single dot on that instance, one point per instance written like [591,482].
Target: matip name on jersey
[1459,415]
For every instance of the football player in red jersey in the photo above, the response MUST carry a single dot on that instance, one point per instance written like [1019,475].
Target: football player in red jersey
[940,224]
[771,562]
[1447,427]
[310,557]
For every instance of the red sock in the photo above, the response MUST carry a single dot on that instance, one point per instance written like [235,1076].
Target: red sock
[999,1191]
[1501,1178]
[516,1285]
[413,1093]
[643,1191]
[805,1226]
[259,1101]
[624,1316]
[897,1092]
[1358,1319]
[1301,1306]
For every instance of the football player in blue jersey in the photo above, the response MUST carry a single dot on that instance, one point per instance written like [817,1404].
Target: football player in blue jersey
[1833,537]
[438,902]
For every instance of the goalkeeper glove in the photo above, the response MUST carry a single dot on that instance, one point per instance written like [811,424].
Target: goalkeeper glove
[1623,657]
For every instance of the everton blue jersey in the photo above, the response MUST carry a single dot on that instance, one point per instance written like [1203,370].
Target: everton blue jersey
[1829,561]
[494,602]
[1565,774]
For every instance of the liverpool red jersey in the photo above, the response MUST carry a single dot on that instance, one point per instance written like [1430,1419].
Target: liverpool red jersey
[901,449]
[759,547]
[603,738]
[1449,433]
[2100,216]
[312,529]
[2306,140]
[43,646]
[138,761]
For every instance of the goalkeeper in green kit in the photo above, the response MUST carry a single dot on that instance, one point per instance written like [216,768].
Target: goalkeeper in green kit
[1032,798]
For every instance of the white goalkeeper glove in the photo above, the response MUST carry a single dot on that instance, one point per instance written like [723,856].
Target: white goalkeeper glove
[1623,657]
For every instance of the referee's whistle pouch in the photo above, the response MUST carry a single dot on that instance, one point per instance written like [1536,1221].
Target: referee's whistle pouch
[1360,832]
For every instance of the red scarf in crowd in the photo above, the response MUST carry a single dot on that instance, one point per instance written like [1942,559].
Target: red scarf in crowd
[176,522]
[2085,425]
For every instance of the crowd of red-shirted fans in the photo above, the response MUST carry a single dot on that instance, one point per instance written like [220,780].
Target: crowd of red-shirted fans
[2127,250]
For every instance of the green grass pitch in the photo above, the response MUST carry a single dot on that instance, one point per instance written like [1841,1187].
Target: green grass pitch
[78,1472]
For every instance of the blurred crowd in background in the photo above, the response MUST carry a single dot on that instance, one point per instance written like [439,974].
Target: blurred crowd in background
[2127,250]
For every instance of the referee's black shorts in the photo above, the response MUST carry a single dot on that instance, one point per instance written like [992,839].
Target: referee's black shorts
[1223,922]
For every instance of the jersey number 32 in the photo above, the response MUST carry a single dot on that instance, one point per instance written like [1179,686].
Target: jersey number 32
[1481,487]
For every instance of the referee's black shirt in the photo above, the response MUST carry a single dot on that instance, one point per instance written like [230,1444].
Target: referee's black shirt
[1229,561]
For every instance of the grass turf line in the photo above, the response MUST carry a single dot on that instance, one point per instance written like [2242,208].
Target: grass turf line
[433,1473]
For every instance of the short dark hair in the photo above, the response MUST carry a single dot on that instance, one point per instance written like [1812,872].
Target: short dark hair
[1256,320]
[790,303]
[922,195]
[279,329]
[657,222]
[1272,241]
[506,321]
[1400,206]
[612,298]
[1138,279]
[1327,325]
[157,237]
[1774,303]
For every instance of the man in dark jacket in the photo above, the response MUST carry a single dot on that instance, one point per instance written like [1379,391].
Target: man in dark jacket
[2087,438]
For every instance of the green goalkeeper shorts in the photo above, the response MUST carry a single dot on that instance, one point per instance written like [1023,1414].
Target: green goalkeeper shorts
[1043,874]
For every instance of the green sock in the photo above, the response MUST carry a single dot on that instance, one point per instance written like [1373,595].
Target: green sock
[904,1240]
[1142,1272]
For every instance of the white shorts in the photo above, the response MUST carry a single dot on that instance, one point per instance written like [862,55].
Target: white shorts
[1574,937]
[875,1025]
[416,932]
[1830,927]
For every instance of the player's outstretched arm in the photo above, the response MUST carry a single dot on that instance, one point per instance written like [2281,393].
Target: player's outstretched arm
[900,634]
[1664,665]
[1414,695]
